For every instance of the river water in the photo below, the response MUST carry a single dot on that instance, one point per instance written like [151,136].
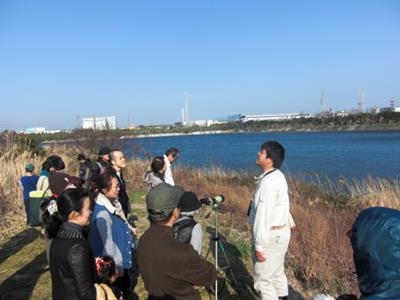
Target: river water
[353,155]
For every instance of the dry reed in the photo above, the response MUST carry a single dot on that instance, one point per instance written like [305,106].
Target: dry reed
[320,255]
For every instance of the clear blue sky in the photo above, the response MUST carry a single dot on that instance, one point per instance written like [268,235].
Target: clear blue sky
[60,59]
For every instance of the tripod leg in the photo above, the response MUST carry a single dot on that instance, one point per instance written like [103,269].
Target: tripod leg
[208,252]
[227,265]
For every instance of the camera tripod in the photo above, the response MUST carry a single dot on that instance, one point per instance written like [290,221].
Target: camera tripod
[218,245]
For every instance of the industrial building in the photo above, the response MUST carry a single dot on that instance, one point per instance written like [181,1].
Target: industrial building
[99,123]
[38,130]
[204,123]
[392,109]
[275,117]
[35,130]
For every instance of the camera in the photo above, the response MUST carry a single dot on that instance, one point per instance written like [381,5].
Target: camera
[212,201]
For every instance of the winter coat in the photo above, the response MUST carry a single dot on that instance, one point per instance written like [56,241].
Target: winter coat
[170,268]
[123,197]
[71,265]
[110,234]
[375,238]
[152,179]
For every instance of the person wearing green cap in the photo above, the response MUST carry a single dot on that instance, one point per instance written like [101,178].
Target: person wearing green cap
[170,269]
[28,183]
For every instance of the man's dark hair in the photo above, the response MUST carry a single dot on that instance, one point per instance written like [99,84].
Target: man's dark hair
[159,218]
[81,157]
[275,151]
[172,151]
[103,151]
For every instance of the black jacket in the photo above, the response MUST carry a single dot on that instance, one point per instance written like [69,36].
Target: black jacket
[123,197]
[71,265]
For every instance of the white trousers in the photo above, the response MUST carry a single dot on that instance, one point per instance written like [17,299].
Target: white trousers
[269,276]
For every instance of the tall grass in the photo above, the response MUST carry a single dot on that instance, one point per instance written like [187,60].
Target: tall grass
[320,255]
[13,167]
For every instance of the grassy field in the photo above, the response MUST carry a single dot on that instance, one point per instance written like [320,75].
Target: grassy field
[25,273]
[319,257]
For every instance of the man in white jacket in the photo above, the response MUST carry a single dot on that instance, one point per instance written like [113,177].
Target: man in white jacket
[170,156]
[269,218]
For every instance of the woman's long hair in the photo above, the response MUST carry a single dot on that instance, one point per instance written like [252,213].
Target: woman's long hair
[56,212]
[157,165]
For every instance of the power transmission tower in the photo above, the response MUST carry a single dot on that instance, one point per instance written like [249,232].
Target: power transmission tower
[78,121]
[183,116]
[393,103]
[322,103]
[187,116]
[361,103]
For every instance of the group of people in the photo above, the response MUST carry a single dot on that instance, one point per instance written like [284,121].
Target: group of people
[94,252]
[161,169]
[169,251]
[92,247]
[85,216]
[90,219]
[50,182]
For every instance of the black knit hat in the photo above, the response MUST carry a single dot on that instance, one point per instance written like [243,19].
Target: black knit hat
[189,202]
[104,151]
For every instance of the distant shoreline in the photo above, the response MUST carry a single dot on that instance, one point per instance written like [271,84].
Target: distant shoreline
[131,136]
[283,130]
[359,128]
